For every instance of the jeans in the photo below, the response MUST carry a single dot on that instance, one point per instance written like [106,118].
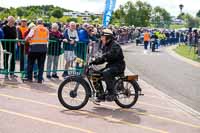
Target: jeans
[146,45]
[52,60]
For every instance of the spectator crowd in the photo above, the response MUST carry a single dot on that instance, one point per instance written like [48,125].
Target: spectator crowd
[38,41]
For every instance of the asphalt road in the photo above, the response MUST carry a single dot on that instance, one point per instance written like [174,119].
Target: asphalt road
[166,73]
[34,108]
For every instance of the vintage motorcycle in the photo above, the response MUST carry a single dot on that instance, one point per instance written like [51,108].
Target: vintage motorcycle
[75,91]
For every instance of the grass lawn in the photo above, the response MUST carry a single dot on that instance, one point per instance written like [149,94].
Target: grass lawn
[187,52]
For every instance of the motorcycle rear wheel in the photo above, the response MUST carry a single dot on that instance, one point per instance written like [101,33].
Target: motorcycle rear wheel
[128,96]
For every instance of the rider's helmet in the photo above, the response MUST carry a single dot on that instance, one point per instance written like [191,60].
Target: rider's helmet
[108,33]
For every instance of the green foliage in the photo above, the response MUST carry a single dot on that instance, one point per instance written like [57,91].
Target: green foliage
[52,19]
[80,20]
[118,16]
[181,15]
[49,13]
[32,12]
[57,13]
[1,9]
[93,17]
[72,19]
[198,14]
[175,26]
[20,12]
[137,14]
[64,19]
[190,20]
[100,20]
[160,17]
[141,14]
[132,13]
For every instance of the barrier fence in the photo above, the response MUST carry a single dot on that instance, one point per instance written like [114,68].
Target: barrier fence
[14,57]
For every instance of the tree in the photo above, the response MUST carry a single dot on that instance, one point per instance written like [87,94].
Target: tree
[72,19]
[160,17]
[1,9]
[143,13]
[12,11]
[20,12]
[137,14]
[131,16]
[118,16]
[181,15]
[30,12]
[93,17]
[191,21]
[57,13]
[198,14]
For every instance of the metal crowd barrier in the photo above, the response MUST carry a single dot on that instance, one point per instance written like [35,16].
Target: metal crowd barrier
[14,56]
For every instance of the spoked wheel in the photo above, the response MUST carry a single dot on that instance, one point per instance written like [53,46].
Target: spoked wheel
[127,94]
[73,93]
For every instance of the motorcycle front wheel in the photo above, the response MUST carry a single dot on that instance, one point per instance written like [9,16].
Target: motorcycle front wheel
[73,93]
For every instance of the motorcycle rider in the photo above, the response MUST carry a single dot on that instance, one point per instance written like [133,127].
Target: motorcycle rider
[112,55]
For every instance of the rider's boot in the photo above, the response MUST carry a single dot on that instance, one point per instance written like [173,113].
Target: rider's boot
[112,95]
[100,97]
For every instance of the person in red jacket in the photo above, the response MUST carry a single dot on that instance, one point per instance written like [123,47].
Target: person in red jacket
[54,50]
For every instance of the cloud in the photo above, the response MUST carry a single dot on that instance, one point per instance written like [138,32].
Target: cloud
[190,6]
[172,6]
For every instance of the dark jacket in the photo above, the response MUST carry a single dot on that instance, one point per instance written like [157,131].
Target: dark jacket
[9,33]
[1,34]
[112,54]
[54,47]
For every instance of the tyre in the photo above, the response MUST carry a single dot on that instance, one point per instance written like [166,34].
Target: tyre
[73,93]
[127,94]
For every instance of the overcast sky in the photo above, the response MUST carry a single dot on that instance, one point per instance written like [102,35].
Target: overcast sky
[190,6]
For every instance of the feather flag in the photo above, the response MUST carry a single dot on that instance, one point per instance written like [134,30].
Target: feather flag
[109,7]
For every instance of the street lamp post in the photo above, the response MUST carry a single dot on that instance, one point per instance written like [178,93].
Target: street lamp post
[181,7]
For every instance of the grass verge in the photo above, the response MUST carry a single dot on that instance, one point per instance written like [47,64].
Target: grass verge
[188,52]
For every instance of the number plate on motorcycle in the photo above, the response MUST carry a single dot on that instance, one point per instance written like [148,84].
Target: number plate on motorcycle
[132,77]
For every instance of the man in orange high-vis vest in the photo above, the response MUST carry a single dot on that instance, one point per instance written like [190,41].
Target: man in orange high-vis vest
[21,35]
[38,38]
[146,39]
